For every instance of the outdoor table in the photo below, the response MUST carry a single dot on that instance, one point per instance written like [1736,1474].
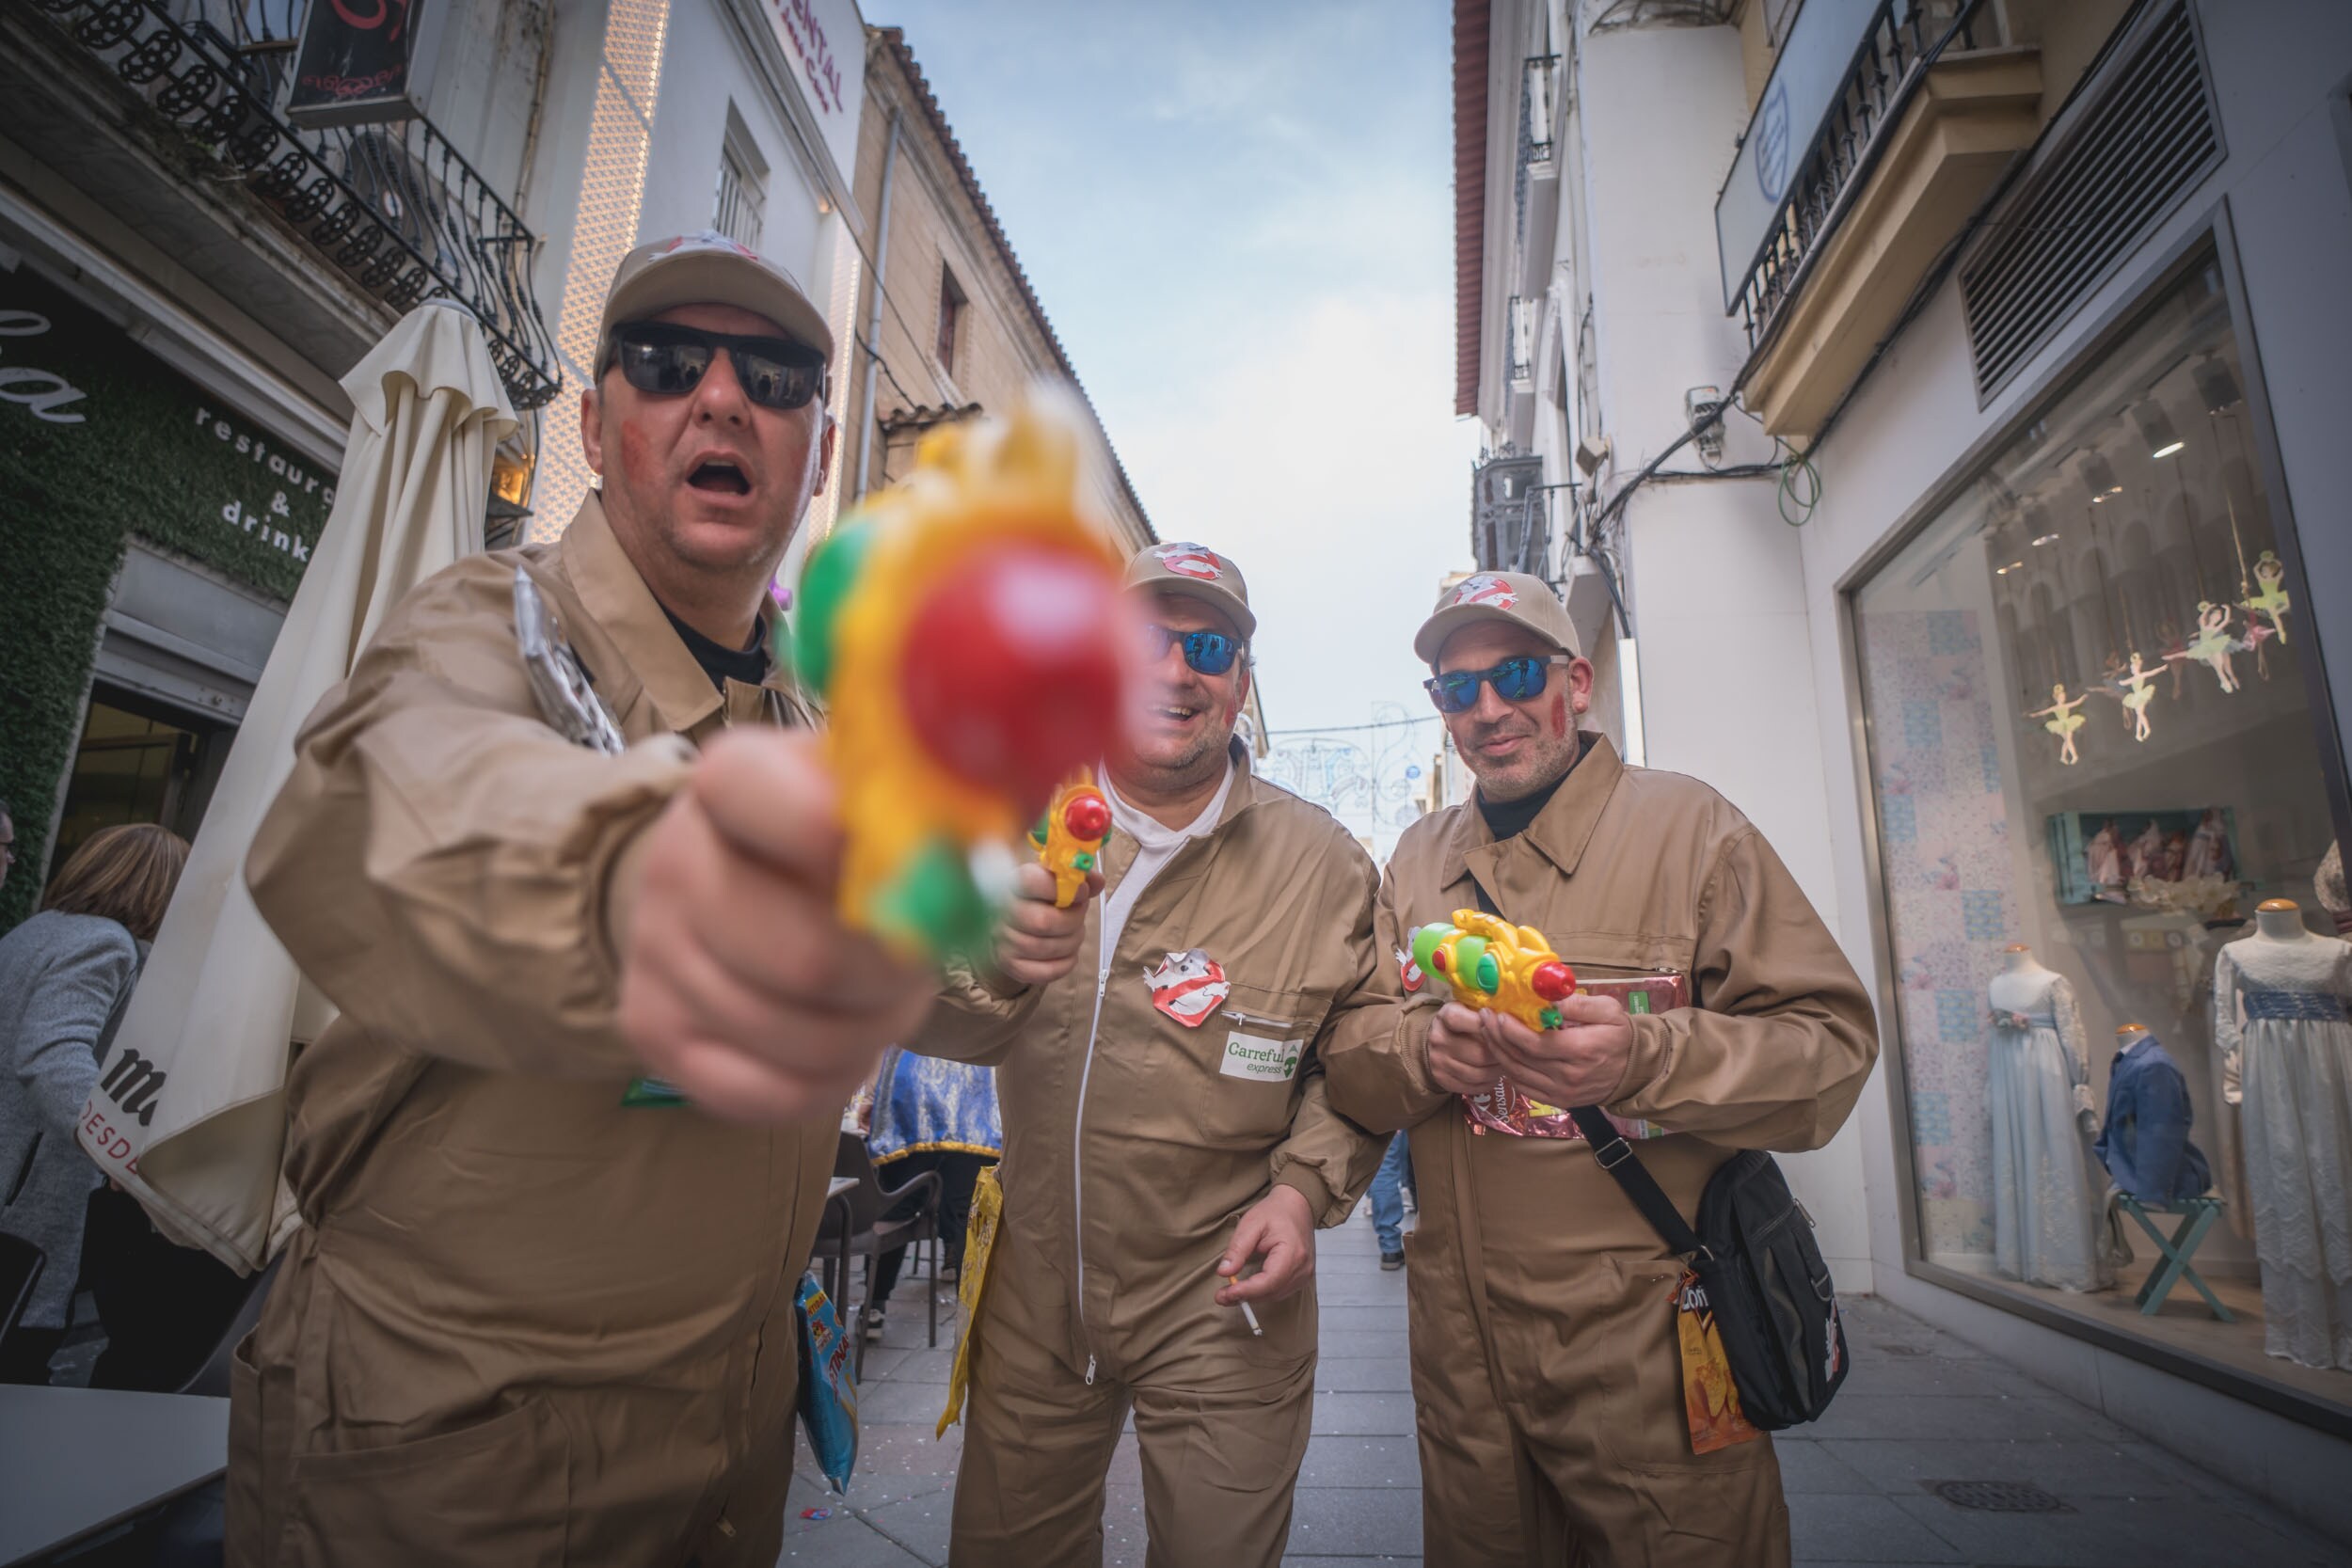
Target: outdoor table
[75,1461]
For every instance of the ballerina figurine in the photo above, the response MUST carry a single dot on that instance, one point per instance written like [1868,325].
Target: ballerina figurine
[2064,721]
[2212,643]
[2140,689]
[2274,600]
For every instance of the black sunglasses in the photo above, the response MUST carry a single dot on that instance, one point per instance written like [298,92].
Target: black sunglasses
[668,360]
[1211,653]
[1515,680]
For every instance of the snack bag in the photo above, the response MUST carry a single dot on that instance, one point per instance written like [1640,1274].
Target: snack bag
[1711,1401]
[979,1240]
[1505,1109]
[828,1385]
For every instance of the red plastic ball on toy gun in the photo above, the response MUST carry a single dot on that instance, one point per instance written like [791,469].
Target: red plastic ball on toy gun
[1070,836]
[1552,980]
[1010,675]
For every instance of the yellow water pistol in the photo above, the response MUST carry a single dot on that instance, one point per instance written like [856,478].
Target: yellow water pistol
[1496,967]
[1071,835]
[963,630]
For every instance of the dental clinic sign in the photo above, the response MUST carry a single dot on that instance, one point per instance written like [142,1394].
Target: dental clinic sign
[1812,70]
[824,40]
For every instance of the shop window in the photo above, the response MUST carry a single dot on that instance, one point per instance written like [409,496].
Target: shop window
[138,762]
[2107,844]
[740,210]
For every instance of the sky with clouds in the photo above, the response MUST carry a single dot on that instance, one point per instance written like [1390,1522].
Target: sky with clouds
[1239,218]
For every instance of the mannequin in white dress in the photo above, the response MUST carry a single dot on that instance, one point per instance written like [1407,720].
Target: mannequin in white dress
[2281,1020]
[2047,1213]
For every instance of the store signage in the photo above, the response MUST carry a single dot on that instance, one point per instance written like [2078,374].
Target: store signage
[1812,70]
[824,42]
[184,471]
[42,393]
[364,61]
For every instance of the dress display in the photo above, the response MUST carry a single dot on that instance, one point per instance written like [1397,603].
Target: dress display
[2280,1022]
[2047,1210]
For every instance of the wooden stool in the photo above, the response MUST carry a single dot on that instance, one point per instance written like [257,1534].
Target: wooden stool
[2197,1217]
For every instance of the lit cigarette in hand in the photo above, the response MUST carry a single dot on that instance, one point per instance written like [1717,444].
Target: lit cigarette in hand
[1251,1318]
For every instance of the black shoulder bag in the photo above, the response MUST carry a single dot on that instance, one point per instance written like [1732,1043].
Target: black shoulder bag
[1754,1252]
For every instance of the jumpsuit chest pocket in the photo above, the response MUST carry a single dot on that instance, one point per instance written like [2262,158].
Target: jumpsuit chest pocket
[1247,1060]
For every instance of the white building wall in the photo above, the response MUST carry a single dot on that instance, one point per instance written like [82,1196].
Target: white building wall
[1715,580]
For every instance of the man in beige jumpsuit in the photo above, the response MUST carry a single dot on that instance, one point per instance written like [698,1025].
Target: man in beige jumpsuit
[1165,1122]
[1545,1364]
[540,1312]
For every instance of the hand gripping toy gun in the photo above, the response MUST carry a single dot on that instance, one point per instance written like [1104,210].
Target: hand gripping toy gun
[1496,967]
[961,628]
[1071,835]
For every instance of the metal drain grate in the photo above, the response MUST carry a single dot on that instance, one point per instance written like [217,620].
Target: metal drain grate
[1998,1496]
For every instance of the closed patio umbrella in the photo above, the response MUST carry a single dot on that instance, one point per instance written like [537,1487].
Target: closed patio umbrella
[189,1111]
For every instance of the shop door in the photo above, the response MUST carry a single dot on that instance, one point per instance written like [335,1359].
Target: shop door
[139,761]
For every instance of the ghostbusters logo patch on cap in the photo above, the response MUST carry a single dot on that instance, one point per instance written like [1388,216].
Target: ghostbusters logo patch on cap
[1487,588]
[1190,561]
[1410,972]
[1188,986]
[707,239]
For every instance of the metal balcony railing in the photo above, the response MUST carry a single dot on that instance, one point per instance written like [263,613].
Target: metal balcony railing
[1904,38]
[394,206]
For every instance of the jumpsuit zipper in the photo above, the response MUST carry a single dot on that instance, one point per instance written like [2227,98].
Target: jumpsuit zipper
[1077,1158]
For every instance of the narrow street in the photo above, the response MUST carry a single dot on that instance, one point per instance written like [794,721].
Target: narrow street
[1921,1409]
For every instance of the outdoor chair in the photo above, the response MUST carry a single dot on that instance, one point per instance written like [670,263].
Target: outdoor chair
[21,1263]
[854,1227]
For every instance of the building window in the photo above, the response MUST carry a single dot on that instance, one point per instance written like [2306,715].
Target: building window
[743,198]
[2103,822]
[951,304]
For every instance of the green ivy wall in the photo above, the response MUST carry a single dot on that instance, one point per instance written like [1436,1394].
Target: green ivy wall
[101,443]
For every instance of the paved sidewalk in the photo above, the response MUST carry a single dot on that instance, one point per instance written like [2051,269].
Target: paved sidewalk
[1920,1408]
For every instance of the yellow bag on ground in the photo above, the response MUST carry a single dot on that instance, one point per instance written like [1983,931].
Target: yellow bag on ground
[979,1239]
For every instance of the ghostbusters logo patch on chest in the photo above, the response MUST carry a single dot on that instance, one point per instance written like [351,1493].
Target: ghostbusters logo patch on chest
[1410,972]
[1188,986]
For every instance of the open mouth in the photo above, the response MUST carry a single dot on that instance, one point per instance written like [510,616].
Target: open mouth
[1177,715]
[718,476]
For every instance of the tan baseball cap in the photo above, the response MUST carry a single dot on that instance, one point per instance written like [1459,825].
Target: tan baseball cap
[1197,571]
[1514,596]
[707,268]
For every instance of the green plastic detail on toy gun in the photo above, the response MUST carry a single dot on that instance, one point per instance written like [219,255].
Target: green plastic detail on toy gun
[935,898]
[832,571]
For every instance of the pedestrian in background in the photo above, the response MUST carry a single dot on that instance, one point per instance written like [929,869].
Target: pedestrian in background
[65,976]
[931,1115]
[1388,1184]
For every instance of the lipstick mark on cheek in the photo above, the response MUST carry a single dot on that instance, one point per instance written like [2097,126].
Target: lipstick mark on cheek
[636,450]
[1559,714]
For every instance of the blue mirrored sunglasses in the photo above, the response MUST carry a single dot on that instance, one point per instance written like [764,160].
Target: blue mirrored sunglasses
[1515,680]
[1212,653]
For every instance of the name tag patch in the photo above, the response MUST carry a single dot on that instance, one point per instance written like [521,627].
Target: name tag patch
[1261,1060]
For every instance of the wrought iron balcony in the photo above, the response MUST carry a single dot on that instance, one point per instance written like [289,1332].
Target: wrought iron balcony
[1904,37]
[393,207]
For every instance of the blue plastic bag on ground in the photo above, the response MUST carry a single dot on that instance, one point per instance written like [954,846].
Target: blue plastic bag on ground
[828,1385]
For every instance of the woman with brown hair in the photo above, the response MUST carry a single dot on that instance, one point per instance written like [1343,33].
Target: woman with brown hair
[65,975]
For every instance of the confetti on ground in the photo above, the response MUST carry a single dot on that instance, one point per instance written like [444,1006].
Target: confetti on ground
[817,1515]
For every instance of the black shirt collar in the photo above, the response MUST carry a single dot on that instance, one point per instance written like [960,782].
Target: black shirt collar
[1509,818]
[721,663]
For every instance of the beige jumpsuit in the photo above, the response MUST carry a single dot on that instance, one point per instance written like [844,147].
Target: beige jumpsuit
[522,1324]
[1133,1144]
[1544,1370]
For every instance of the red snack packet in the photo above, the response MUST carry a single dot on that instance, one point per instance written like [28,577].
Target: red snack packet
[1711,1401]
[1505,1109]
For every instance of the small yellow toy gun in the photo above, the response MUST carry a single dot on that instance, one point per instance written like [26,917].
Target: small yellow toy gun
[1071,835]
[1496,967]
[963,629]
